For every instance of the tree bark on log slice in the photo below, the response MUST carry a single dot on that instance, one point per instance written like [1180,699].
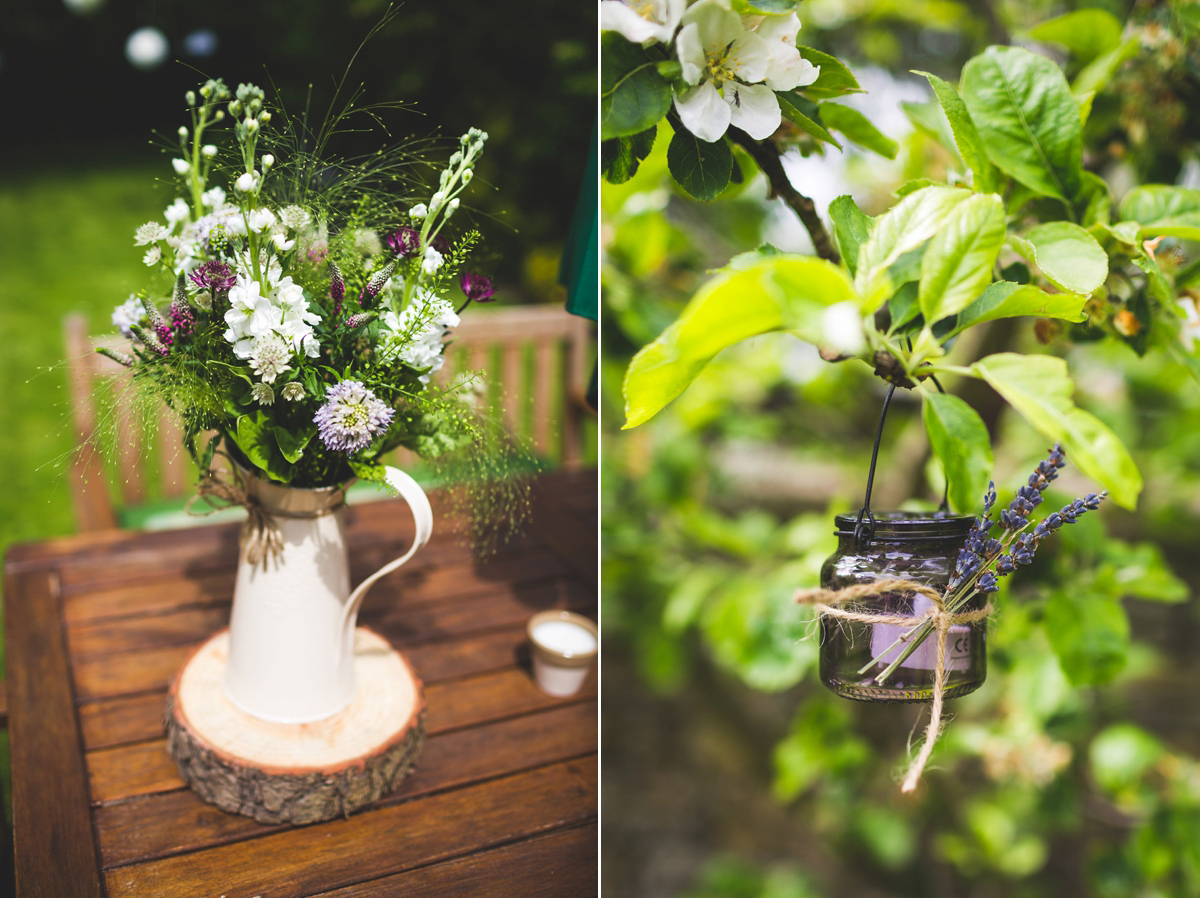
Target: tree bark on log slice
[296,773]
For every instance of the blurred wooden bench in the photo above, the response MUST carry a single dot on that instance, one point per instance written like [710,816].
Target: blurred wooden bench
[537,358]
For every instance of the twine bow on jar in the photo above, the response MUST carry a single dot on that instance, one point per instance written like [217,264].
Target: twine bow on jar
[830,602]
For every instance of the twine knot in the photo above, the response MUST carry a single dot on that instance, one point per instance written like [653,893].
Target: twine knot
[827,602]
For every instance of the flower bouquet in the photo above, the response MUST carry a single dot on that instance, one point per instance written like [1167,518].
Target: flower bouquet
[309,309]
[303,315]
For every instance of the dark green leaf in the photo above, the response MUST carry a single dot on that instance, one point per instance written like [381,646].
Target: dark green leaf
[858,128]
[851,228]
[1028,119]
[257,441]
[633,94]
[701,168]
[966,135]
[291,443]
[960,441]
[621,156]
[835,79]
[903,307]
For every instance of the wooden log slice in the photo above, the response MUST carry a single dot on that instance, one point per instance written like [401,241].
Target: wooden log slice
[296,773]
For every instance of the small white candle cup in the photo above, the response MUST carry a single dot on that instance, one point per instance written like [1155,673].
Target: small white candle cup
[564,647]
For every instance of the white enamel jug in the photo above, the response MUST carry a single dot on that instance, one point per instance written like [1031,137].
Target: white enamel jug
[291,632]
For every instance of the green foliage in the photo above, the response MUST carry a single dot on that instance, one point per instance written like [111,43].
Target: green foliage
[633,95]
[702,169]
[959,440]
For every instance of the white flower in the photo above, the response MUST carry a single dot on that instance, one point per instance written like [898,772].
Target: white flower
[269,357]
[246,182]
[150,232]
[725,62]
[642,21]
[263,394]
[417,212]
[281,242]
[215,198]
[176,212]
[129,312]
[842,328]
[267,160]
[1190,327]
[260,219]
[432,260]
[251,315]
[451,207]
[294,217]
[292,391]
[153,256]
[787,69]
[181,166]
[209,150]
[416,335]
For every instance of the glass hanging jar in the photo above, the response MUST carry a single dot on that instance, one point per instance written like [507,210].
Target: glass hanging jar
[918,547]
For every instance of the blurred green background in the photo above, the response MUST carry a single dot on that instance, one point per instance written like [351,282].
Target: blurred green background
[728,770]
[81,166]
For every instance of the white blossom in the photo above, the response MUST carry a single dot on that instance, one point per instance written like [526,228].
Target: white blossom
[260,219]
[642,21]
[270,356]
[246,182]
[417,334]
[214,198]
[153,256]
[181,166]
[842,328]
[176,212]
[432,260]
[417,212]
[150,232]
[209,150]
[295,217]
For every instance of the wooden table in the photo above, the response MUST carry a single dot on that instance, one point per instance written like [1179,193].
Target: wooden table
[503,800]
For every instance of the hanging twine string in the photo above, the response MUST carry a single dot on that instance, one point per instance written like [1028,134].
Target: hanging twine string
[827,602]
[261,539]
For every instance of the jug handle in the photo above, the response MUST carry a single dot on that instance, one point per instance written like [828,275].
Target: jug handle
[422,513]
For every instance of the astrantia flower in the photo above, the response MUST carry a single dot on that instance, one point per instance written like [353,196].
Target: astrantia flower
[263,394]
[351,417]
[150,232]
[214,275]
[270,356]
[476,287]
[214,198]
[404,242]
[292,391]
[294,217]
[642,21]
[153,256]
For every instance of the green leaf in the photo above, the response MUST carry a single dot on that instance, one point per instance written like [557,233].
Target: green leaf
[913,186]
[1163,211]
[1097,74]
[1120,755]
[966,136]
[633,94]
[1087,33]
[1038,387]
[1095,200]
[1004,299]
[257,441]
[929,119]
[901,229]
[765,7]
[851,227]
[621,156]
[1141,571]
[858,128]
[291,445]
[1068,256]
[1028,119]
[778,293]
[957,266]
[960,441]
[701,168]
[795,109]
[1090,635]
[835,79]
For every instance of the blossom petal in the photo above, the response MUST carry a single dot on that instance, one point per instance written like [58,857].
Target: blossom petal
[749,57]
[755,109]
[703,112]
[616,16]
[691,53]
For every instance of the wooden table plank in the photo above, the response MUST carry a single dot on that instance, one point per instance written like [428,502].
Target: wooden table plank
[299,862]
[560,864]
[52,836]
[164,823]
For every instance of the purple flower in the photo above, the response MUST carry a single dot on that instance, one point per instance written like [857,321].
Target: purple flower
[404,242]
[477,287]
[351,417]
[214,275]
[337,287]
[183,319]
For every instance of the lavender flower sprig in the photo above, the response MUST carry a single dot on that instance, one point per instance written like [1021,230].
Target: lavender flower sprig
[984,560]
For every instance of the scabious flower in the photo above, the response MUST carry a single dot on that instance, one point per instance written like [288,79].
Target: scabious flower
[404,242]
[351,417]
[477,287]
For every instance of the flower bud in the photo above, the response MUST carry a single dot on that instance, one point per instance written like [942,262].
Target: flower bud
[181,166]
[251,125]
[245,182]
[418,212]
[190,96]
[220,114]
[183,132]
[451,206]
[267,160]
[467,175]
[208,150]
[264,116]
[235,107]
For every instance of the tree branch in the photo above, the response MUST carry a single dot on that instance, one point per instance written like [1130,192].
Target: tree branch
[767,155]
